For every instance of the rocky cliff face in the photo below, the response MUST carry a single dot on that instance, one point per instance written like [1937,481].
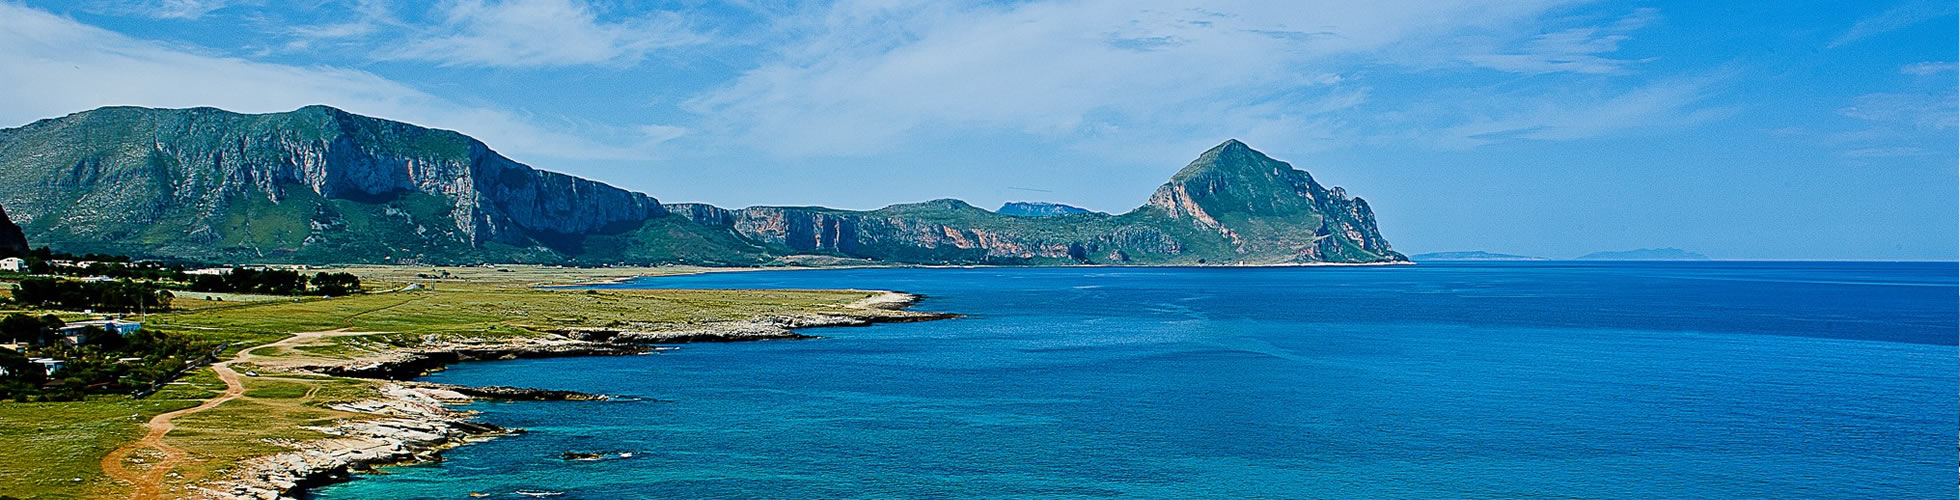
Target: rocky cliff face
[12,241]
[1269,210]
[205,181]
[938,231]
[1232,205]
[321,185]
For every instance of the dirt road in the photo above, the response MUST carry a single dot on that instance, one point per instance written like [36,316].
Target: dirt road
[149,483]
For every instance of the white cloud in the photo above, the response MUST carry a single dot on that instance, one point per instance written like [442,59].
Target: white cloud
[1574,50]
[54,66]
[1928,68]
[1913,12]
[1662,105]
[539,33]
[1889,152]
[1919,111]
[164,9]
[870,72]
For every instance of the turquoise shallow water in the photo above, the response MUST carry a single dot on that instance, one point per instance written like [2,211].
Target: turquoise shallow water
[1547,380]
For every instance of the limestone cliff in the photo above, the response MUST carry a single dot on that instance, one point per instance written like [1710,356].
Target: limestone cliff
[210,183]
[320,185]
[1232,205]
[938,231]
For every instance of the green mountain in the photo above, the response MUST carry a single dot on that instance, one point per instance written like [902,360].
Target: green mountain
[319,185]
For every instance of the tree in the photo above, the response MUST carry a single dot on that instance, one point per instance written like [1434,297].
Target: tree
[29,329]
[209,283]
[95,336]
[336,284]
[121,296]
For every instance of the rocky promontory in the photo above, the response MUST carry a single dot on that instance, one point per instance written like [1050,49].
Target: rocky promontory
[412,425]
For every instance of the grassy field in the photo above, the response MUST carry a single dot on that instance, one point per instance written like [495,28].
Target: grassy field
[280,408]
[505,276]
[45,447]
[53,450]
[491,311]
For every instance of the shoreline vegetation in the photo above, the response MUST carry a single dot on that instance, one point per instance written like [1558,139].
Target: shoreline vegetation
[323,382]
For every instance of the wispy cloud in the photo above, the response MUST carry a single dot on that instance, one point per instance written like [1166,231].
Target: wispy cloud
[1927,111]
[1898,124]
[55,66]
[866,73]
[163,9]
[1660,106]
[1574,50]
[1928,68]
[1911,13]
[1889,152]
[539,33]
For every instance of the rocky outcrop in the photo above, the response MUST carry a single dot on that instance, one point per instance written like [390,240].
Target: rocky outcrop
[1269,210]
[12,241]
[940,232]
[415,362]
[415,425]
[507,393]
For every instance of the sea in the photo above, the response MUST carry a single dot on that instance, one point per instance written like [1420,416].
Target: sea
[1438,380]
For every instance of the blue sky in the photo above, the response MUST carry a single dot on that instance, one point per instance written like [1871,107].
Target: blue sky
[1743,130]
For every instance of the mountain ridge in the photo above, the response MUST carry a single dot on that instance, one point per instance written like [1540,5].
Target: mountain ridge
[1038,209]
[320,185]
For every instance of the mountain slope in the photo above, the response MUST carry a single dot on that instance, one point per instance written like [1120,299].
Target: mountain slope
[313,184]
[1232,205]
[1270,211]
[319,185]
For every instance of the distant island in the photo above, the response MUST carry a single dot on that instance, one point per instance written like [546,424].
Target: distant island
[323,186]
[1645,254]
[1038,209]
[1470,255]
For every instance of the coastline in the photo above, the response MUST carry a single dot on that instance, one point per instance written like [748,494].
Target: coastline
[417,422]
[709,270]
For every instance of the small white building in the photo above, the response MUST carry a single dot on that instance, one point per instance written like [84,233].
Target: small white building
[13,265]
[77,332]
[47,364]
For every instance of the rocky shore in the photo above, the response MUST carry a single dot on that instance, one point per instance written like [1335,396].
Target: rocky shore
[415,424]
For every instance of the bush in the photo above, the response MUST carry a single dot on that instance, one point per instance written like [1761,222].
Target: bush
[108,296]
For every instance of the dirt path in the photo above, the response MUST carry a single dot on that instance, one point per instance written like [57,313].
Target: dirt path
[149,483]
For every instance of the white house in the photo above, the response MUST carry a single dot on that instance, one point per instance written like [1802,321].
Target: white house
[76,332]
[13,264]
[49,364]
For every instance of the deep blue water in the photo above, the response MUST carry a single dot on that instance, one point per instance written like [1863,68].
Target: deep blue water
[1545,380]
